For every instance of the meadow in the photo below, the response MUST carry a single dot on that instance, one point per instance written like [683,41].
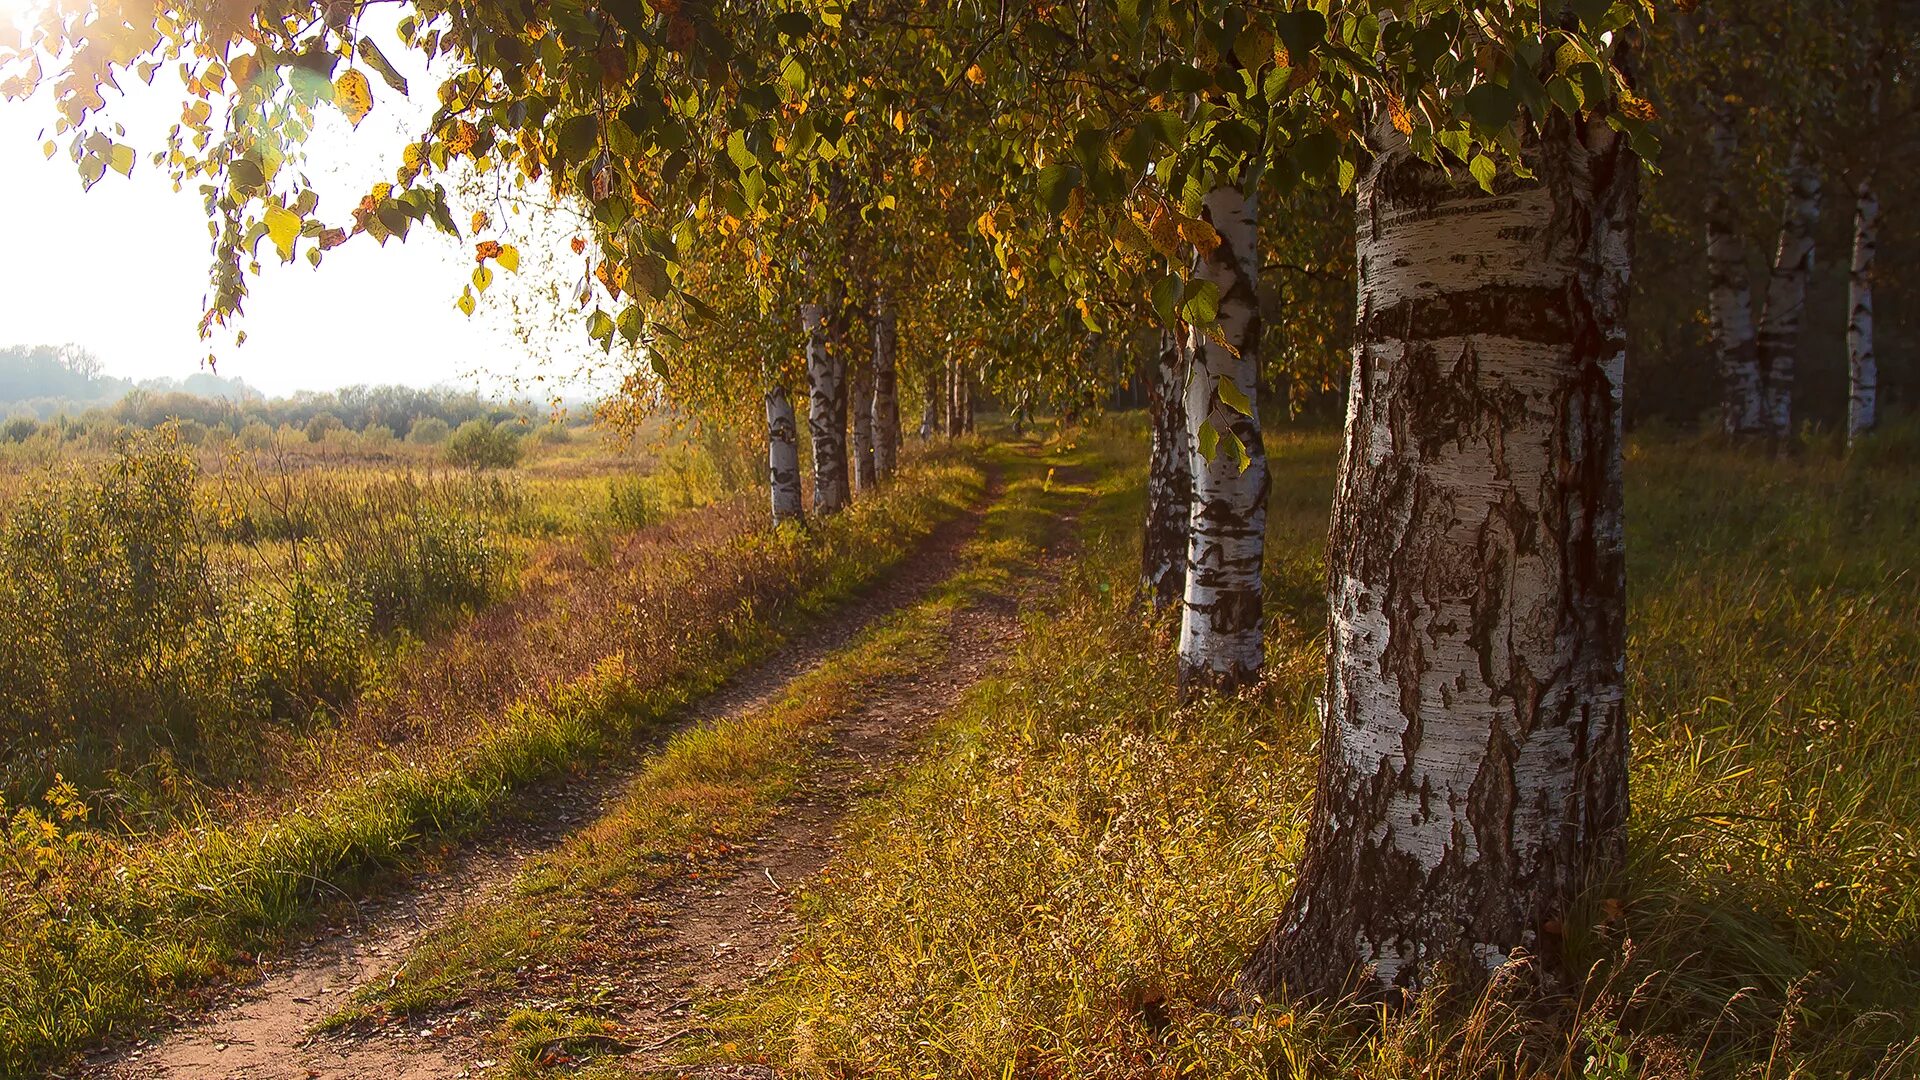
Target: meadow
[248,686]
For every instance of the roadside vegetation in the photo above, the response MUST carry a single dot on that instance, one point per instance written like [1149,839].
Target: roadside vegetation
[240,696]
[1060,888]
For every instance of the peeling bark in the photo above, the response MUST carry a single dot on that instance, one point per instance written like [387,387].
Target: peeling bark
[1730,295]
[1163,546]
[826,412]
[886,391]
[1863,371]
[1474,744]
[1220,644]
[783,455]
[1787,296]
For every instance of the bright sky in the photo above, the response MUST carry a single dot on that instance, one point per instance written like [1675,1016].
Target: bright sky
[122,269]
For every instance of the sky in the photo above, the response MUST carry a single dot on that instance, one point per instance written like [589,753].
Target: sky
[122,270]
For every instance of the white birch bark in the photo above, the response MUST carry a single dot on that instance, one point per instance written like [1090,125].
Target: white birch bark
[1779,335]
[826,413]
[783,455]
[1474,741]
[1730,294]
[1863,372]
[930,410]
[1220,643]
[860,389]
[886,390]
[1163,542]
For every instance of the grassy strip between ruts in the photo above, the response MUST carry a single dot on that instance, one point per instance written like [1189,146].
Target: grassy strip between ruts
[531,957]
[1066,885]
[89,949]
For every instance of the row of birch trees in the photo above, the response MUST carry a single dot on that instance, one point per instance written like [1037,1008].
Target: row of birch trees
[840,193]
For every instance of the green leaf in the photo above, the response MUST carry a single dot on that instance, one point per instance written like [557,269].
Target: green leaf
[794,24]
[1565,94]
[1232,398]
[600,327]
[578,136]
[378,61]
[1490,105]
[1208,439]
[1166,299]
[1301,31]
[630,323]
[1238,449]
[1201,302]
[1483,170]
[1057,182]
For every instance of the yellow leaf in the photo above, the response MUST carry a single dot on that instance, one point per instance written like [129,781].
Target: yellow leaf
[353,94]
[1397,112]
[283,226]
[465,303]
[1199,233]
[509,257]
[382,191]
[900,121]
[480,220]
[976,76]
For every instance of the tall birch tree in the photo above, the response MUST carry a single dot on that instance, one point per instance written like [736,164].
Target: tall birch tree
[1474,749]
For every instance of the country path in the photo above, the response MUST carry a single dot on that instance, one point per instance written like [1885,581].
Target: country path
[675,945]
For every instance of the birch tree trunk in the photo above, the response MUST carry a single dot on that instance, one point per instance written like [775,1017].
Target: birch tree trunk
[930,411]
[783,455]
[1474,746]
[860,386]
[886,391]
[826,413]
[954,407]
[1220,644]
[966,402]
[1163,545]
[1730,295]
[1863,372]
[1787,296]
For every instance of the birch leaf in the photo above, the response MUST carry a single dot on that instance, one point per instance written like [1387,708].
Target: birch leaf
[1483,169]
[354,95]
[1208,439]
[283,226]
[1232,398]
[509,257]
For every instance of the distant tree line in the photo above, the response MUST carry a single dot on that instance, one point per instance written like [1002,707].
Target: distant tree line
[61,389]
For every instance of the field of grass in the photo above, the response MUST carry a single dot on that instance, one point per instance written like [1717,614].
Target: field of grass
[153,866]
[1067,884]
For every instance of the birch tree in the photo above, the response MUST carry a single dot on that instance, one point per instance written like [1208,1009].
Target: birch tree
[886,389]
[1220,640]
[826,413]
[1730,292]
[1786,303]
[1474,748]
[1163,549]
[1863,373]
[783,455]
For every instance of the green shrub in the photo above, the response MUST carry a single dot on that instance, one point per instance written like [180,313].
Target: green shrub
[630,505]
[306,649]
[479,444]
[321,424]
[428,431]
[19,429]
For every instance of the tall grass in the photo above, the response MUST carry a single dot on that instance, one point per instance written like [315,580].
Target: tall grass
[97,927]
[1067,885]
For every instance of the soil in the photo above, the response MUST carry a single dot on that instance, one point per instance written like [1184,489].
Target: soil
[653,960]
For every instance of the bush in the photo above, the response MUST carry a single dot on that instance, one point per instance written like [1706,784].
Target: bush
[479,444]
[19,429]
[629,504]
[321,424]
[256,436]
[428,431]
[554,433]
